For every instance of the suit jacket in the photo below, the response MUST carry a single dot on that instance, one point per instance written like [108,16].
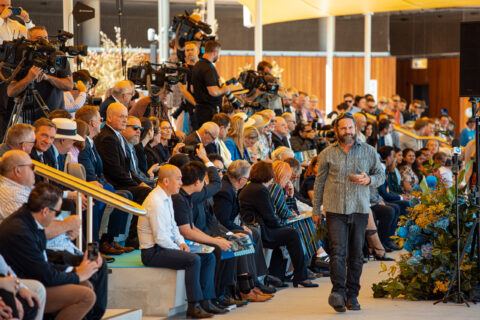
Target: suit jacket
[116,167]
[46,160]
[23,245]
[104,106]
[226,205]
[256,207]
[55,162]
[277,141]
[91,161]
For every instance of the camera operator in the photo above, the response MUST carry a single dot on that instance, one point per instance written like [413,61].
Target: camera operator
[50,86]
[304,137]
[11,29]
[181,45]
[206,87]
[273,102]
[77,97]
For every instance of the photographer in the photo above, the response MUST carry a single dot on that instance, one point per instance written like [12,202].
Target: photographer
[206,87]
[11,29]
[303,137]
[50,86]
[76,98]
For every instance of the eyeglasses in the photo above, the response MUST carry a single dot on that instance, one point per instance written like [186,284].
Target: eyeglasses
[382,102]
[211,135]
[165,128]
[30,165]
[396,100]
[57,212]
[348,101]
[135,127]
[32,142]
[223,171]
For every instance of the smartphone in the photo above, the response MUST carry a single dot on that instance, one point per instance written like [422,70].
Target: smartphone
[92,254]
[16,11]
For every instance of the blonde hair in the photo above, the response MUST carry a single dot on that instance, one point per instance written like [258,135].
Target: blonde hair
[236,131]
[282,173]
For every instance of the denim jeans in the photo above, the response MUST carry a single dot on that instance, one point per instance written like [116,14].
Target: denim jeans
[346,237]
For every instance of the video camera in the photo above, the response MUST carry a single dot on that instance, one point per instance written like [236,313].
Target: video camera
[185,27]
[23,54]
[169,74]
[59,43]
[251,80]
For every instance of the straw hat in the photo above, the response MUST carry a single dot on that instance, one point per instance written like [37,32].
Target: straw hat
[257,121]
[67,129]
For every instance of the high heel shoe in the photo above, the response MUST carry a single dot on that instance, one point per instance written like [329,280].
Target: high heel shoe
[305,283]
[378,257]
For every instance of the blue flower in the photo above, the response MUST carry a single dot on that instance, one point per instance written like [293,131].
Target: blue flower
[409,246]
[432,182]
[409,223]
[417,253]
[443,223]
[414,261]
[415,230]
[427,251]
[402,232]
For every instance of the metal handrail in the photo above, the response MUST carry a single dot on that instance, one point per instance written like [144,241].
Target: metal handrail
[409,133]
[91,191]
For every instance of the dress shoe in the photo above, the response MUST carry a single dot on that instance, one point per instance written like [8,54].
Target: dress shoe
[337,301]
[108,248]
[305,283]
[323,261]
[275,282]
[108,259]
[254,297]
[238,302]
[266,289]
[218,304]
[209,307]
[132,242]
[352,303]
[261,293]
[195,311]
[125,249]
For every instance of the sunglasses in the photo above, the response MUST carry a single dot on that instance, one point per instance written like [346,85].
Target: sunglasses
[135,127]
[57,212]
[348,101]
[223,171]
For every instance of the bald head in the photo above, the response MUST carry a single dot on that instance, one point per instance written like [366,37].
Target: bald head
[169,179]
[117,115]
[167,171]
[123,91]
[16,165]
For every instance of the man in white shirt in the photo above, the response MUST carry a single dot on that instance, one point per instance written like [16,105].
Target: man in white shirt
[11,29]
[163,246]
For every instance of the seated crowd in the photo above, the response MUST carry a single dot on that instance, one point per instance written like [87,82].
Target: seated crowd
[241,174]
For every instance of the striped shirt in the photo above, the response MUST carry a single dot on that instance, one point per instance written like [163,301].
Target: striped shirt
[333,188]
[12,196]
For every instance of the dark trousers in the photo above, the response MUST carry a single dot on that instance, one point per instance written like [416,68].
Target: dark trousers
[199,269]
[291,238]
[253,264]
[346,236]
[385,215]
[225,272]
[203,113]
[116,221]
[99,280]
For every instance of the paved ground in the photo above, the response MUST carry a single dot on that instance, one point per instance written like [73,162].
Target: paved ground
[303,303]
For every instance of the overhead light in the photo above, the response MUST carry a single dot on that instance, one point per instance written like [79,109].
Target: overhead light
[247,18]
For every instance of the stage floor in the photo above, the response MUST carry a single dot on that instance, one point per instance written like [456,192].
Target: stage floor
[302,303]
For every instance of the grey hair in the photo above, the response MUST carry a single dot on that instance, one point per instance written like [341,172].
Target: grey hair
[18,133]
[238,169]
[280,152]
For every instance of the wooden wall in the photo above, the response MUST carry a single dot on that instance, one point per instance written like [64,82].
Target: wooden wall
[443,78]
[308,74]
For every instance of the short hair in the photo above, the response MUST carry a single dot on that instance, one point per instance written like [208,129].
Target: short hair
[44,122]
[120,88]
[87,113]
[440,156]
[311,167]
[43,195]
[82,130]
[212,45]
[36,28]
[346,95]
[383,124]
[251,132]
[403,100]
[59,113]
[385,152]
[278,153]
[221,119]
[293,163]
[264,64]
[193,172]
[300,127]
[17,134]
[342,116]
[179,160]
[421,123]
[227,108]
[238,169]
[261,172]
[215,156]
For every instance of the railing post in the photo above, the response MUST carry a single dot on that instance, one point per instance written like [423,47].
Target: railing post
[79,214]
[89,219]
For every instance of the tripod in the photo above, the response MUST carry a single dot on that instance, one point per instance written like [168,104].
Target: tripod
[473,239]
[17,111]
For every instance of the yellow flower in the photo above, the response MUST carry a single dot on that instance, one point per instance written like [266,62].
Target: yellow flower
[441,286]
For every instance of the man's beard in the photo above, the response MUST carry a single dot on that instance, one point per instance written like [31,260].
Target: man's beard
[347,138]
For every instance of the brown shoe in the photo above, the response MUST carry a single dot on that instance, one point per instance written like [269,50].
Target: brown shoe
[260,293]
[109,249]
[253,297]
[124,249]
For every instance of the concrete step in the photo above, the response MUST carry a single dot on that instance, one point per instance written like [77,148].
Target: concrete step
[122,314]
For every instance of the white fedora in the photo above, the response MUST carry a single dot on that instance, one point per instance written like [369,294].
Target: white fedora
[66,129]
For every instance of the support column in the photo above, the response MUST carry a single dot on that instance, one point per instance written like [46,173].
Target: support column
[329,67]
[90,29]
[163,25]
[211,15]
[367,51]
[258,33]
[68,18]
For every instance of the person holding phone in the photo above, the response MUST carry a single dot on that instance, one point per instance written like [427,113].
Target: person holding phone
[11,29]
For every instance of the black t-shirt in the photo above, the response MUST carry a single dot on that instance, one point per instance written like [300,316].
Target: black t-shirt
[205,75]
[306,186]
[182,207]
[52,96]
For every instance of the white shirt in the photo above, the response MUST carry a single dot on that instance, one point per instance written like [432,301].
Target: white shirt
[158,226]
[72,104]
[225,153]
[12,29]
[447,176]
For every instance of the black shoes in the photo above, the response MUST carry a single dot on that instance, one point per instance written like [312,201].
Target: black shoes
[275,282]
[352,303]
[266,289]
[209,307]
[337,301]
[305,283]
[195,311]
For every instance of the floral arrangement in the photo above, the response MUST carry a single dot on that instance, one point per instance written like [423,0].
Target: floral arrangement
[106,65]
[428,234]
